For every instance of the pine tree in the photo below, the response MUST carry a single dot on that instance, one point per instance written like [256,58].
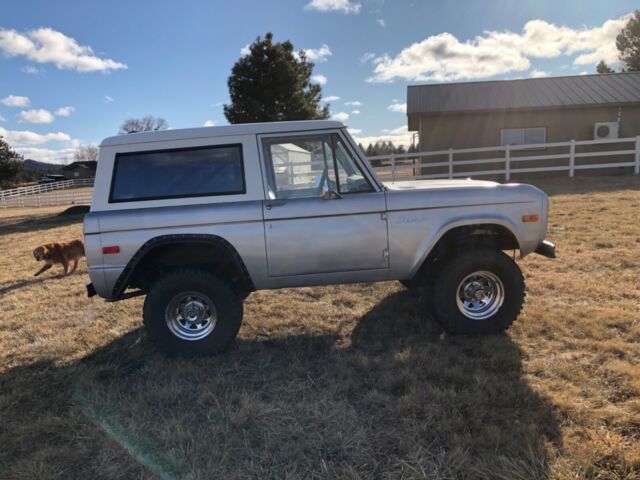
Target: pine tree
[628,43]
[11,165]
[602,67]
[272,83]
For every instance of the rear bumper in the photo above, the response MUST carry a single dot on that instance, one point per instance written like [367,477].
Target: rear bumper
[546,249]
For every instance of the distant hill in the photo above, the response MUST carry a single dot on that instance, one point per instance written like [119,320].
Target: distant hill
[35,165]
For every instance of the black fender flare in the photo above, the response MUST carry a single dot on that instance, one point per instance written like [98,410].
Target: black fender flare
[123,279]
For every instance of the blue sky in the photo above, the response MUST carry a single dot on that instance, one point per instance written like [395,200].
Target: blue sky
[109,60]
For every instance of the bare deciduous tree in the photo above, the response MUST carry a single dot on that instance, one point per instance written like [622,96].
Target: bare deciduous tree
[86,153]
[145,124]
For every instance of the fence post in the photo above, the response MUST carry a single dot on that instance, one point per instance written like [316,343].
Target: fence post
[507,162]
[572,158]
[636,169]
[393,167]
[450,163]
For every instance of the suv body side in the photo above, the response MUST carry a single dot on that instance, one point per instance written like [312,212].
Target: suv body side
[381,234]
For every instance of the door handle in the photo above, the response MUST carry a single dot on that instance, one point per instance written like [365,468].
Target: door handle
[274,203]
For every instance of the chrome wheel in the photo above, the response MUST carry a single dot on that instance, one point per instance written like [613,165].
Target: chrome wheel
[191,316]
[480,295]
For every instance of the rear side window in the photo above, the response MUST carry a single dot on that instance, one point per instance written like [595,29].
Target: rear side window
[185,172]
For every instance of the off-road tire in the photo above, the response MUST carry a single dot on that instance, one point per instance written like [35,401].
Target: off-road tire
[227,302]
[455,269]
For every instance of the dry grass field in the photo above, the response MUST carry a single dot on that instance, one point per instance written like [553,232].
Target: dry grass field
[334,382]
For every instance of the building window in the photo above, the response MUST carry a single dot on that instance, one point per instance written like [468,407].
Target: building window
[185,172]
[523,136]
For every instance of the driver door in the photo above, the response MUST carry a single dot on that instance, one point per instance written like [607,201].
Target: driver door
[322,215]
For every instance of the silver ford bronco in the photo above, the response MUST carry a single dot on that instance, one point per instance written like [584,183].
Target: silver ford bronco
[196,219]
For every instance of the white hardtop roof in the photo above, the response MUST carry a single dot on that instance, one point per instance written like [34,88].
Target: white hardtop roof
[227,130]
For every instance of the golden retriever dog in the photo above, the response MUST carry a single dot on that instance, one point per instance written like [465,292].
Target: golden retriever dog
[62,253]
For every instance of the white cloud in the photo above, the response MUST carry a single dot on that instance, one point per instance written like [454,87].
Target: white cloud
[355,112]
[15,101]
[37,116]
[399,136]
[46,45]
[64,111]
[107,99]
[355,131]
[246,50]
[331,98]
[354,103]
[209,123]
[26,137]
[319,79]
[318,55]
[2,119]
[340,116]
[367,56]
[344,6]
[535,73]
[398,107]
[444,57]
[381,22]
[60,156]
[31,70]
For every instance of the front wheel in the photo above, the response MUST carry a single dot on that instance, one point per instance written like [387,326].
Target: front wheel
[478,292]
[192,313]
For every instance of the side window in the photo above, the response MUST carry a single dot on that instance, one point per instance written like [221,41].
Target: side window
[309,166]
[186,172]
[351,179]
[300,167]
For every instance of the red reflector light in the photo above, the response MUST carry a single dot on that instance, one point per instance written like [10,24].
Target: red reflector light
[530,218]
[112,249]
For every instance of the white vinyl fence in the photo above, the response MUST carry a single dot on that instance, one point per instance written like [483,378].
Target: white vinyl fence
[503,161]
[66,192]
[511,159]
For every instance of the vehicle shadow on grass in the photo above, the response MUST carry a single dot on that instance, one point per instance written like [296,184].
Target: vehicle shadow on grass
[11,226]
[392,399]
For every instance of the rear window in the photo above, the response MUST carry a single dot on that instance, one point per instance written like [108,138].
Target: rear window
[186,172]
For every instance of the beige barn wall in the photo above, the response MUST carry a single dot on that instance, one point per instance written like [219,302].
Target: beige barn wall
[469,130]
[441,132]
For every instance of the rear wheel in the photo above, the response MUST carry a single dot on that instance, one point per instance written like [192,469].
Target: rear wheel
[192,313]
[478,292]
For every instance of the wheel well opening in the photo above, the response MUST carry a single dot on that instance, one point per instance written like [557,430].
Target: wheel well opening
[482,235]
[215,257]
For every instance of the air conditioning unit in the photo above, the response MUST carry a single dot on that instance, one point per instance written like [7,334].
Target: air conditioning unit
[604,130]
